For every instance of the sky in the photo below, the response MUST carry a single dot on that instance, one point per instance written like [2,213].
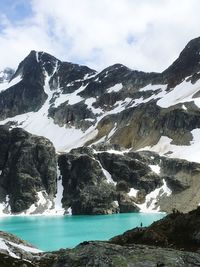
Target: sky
[146,35]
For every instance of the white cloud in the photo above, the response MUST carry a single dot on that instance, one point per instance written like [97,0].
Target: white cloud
[142,34]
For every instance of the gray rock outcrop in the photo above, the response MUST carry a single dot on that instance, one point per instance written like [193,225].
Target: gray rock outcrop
[28,165]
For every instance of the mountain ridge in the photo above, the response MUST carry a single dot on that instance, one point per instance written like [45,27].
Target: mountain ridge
[74,106]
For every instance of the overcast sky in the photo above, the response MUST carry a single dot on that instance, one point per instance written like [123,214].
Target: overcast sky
[142,34]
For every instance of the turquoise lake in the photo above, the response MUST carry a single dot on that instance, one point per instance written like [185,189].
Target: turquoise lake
[54,232]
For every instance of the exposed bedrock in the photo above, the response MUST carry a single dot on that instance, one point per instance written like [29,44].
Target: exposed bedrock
[27,95]
[110,255]
[86,190]
[72,115]
[176,230]
[101,182]
[145,124]
[28,165]
[95,181]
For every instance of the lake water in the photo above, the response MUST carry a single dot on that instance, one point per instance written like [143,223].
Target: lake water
[50,233]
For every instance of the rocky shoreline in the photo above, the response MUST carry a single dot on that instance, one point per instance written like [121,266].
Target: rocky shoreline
[172,241]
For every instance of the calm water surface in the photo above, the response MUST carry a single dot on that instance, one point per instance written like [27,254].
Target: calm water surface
[51,233]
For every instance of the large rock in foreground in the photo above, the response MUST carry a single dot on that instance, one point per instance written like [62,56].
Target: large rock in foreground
[102,254]
[15,252]
[108,255]
[177,230]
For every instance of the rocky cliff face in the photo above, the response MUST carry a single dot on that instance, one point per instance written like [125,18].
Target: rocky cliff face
[28,166]
[98,180]
[86,189]
[101,182]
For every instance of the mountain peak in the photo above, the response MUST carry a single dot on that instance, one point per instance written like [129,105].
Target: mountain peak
[36,63]
[187,64]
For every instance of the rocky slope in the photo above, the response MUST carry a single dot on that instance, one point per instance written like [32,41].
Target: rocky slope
[108,255]
[176,230]
[128,110]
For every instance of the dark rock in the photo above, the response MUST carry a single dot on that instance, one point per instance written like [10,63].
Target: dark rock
[4,144]
[187,64]
[122,186]
[127,204]
[177,230]
[21,98]
[86,189]
[117,74]
[85,186]
[134,172]
[70,77]
[72,115]
[29,166]
[8,261]
[111,255]
[28,94]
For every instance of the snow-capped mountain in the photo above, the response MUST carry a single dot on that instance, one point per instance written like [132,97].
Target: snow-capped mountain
[76,106]
[6,75]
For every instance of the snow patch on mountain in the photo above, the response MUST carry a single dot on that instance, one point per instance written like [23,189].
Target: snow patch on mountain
[107,174]
[190,152]
[37,56]
[72,98]
[5,85]
[133,192]
[89,102]
[153,87]
[64,138]
[182,93]
[44,204]
[151,199]
[58,209]
[155,168]
[5,247]
[113,130]
[69,211]
[116,88]
[25,248]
